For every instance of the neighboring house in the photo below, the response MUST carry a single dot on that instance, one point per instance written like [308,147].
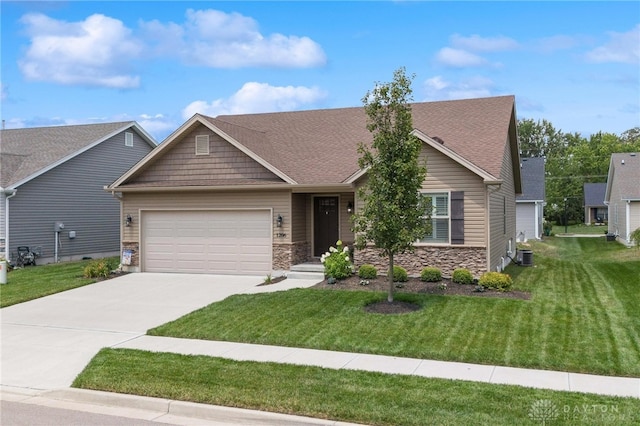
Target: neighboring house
[595,210]
[530,205]
[256,193]
[623,195]
[52,176]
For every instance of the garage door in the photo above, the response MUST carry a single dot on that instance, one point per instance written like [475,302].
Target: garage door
[207,242]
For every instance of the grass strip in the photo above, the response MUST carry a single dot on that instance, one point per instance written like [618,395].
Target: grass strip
[344,395]
[33,282]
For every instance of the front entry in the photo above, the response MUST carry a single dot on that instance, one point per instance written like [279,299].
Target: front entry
[325,224]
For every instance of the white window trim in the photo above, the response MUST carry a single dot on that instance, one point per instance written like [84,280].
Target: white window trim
[202,145]
[448,217]
[128,139]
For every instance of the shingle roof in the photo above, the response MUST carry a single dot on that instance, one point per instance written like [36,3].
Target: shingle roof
[594,194]
[533,180]
[321,146]
[27,151]
[626,176]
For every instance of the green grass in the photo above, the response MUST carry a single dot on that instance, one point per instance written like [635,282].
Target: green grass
[580,228]
[583,317]
[352,396]
[33,282]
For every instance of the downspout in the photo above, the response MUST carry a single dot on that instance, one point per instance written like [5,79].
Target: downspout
[8,194]
[627,235]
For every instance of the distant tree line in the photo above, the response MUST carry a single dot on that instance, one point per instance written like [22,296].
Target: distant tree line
[571,161]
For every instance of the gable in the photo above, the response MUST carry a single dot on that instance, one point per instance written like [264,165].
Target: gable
[29,152]
[224,164]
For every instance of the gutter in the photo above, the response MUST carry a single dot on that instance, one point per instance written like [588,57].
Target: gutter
[8,192]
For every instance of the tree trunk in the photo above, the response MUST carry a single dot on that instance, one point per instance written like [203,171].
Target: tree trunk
[390,293]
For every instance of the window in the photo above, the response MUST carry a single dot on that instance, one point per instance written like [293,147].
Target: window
[439,204]
[128,139]
[202,145]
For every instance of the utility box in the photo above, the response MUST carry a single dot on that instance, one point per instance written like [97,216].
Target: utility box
[58,227]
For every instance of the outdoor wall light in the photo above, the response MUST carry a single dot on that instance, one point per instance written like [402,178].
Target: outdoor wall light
[279,221]
[349,207]
[128,219]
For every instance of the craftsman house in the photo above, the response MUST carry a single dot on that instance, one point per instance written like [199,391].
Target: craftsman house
[258,193]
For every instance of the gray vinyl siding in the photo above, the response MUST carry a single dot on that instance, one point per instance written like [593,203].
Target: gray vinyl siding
[2,223]
[73,193]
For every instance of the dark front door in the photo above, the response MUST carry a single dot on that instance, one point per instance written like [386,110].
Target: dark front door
[325,224]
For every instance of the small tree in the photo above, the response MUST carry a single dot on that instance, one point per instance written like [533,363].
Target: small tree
[393,213]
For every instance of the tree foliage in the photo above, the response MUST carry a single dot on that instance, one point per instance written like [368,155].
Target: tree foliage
[571,161]
[393,213]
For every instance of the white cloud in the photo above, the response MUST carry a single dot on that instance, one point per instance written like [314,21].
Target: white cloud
[459,58]
[621,47]
[256,97]
[437,88]
[219,40]
[475,43]
[93,52]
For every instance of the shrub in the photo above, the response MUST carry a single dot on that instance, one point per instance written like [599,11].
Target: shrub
[400,274]
[635,237]
[431,275]
[367,272]
[337,262]
[462,276]
[97,269]
[496,280]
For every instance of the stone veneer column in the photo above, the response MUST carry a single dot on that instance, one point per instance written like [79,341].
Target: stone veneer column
[134,246]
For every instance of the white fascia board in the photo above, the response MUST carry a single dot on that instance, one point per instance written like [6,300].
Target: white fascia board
[75,154]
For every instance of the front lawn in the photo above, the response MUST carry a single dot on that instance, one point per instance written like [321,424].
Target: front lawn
[33,282]
[583,317]
[351,396]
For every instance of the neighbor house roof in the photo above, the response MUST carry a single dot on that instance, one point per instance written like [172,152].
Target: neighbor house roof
[533,181]
[594,194]
[29,152]
[624,168]
[321,146]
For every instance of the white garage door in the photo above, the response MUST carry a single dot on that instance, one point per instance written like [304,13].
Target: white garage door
[207,242]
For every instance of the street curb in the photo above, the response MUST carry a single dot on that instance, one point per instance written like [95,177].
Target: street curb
[230,415]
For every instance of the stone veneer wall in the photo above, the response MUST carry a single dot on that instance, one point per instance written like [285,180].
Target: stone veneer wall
[447,259]
[134,246]
[285,255]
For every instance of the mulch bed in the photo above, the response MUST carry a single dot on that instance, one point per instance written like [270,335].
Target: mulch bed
[415,285]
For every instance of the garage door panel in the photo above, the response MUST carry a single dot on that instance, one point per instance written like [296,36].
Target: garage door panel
[227,242]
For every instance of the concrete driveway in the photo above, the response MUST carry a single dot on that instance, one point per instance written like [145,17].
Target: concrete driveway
[47,342]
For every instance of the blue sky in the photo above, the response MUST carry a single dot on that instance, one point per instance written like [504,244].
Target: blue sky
[576,64]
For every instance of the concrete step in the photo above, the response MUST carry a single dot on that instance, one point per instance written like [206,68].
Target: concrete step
[307,271]
[319,276]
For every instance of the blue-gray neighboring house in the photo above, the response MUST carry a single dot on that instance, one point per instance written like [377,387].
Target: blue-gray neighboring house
[596,211]
[52,181]
[530,204]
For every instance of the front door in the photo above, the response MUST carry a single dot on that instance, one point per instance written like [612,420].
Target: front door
[325,224]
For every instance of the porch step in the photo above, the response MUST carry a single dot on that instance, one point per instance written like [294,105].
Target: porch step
[307,271]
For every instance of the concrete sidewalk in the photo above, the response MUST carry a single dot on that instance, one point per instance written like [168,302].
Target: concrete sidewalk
[543,379]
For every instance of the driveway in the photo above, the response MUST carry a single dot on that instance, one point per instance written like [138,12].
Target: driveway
[47,342]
